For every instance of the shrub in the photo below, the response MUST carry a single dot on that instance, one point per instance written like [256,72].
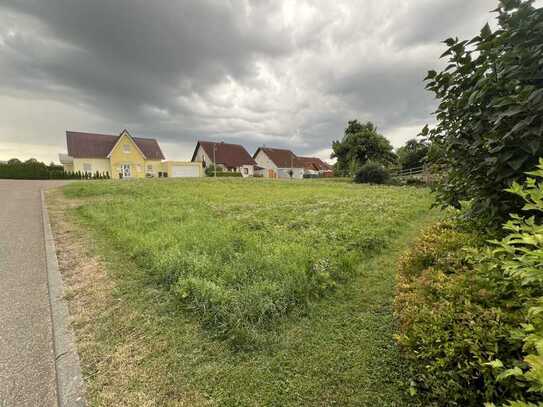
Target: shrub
[210,171]
[228,174]
[372,173]
[490,118]
[471,319]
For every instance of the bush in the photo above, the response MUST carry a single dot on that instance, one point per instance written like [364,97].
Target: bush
[210,171]
[471,319]
[372,173]
[228,174]
[490,116]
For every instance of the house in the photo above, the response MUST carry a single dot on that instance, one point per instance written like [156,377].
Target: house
[279,163]
[317,167]
[226,156]
[121,156]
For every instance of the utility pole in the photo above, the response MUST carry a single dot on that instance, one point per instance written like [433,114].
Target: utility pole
[291,166]
[214,161]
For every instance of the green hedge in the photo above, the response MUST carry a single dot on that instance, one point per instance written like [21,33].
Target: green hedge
[471,320]
[210,172]
[32,169]
[226,174]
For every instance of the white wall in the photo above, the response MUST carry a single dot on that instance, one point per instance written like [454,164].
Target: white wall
[297,173]
[250,170]
[262,160]
[203,157]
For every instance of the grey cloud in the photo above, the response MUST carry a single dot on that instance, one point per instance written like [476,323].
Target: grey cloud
[252,71]
[145,51]
[430,21]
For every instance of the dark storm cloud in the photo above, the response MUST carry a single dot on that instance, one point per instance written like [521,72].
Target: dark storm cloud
[136,51]
[283,73]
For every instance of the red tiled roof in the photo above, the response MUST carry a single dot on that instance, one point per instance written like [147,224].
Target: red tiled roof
[281,158]
[315,163]
[229,155]
[92,145]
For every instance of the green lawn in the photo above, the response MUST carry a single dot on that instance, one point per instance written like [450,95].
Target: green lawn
[247,292]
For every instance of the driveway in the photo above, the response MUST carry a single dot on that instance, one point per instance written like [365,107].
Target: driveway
[27,366]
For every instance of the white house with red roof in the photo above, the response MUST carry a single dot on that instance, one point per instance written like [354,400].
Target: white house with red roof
[226,156]
[282,163]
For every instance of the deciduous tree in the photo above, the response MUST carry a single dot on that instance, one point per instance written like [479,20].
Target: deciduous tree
[360,144]
[490,117]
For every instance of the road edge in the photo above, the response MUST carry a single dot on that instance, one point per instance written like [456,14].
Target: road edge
[70,385]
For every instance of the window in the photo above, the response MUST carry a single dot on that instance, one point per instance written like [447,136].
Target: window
[149,168]
[87,167]
[126,148]
[246,171]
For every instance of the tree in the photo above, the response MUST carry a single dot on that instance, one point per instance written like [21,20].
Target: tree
[490,117]
[360,144]
[413,154]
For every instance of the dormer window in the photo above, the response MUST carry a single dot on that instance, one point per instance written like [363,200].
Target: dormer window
[126,148]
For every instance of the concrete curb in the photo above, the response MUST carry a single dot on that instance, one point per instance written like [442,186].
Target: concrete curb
[70,386]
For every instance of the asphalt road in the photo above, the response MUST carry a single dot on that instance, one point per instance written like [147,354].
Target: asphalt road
[27,366]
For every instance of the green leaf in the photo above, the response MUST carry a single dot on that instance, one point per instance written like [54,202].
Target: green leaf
[495,364]
[515,372]
[486,31]
[536,96]
[517,164]
[450,42]
[431,75]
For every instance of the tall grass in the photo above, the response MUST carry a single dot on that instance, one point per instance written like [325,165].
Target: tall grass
[242,254]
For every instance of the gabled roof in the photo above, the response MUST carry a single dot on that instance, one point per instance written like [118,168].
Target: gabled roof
[229,155]
[93,145]
[281,158]
[314,163]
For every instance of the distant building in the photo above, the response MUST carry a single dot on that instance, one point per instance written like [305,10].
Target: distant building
[279,163]
[121,156]
[282,163]
[316,166]
[226,156]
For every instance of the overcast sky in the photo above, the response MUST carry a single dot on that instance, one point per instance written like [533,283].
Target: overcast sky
[284,73]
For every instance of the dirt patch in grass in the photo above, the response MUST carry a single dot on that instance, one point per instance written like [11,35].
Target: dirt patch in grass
[112,361]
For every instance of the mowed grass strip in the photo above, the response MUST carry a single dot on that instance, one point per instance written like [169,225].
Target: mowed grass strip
[143,345]
[242,254]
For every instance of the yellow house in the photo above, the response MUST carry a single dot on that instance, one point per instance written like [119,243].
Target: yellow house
[121,156]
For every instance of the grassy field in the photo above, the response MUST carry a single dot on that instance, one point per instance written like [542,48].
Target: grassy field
[240,292]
